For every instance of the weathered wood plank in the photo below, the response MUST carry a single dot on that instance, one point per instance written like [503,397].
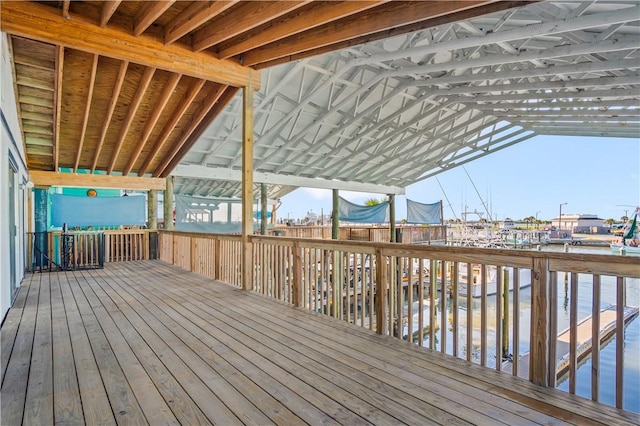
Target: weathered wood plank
[151,402]
[11,324]
[181,366]
[14,383]
[95,402]
[67,406]
[233,368]
[121,399]
[39,398]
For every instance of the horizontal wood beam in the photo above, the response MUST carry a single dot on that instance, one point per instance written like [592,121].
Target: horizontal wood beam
[43,178]
[202,172]
[43,23]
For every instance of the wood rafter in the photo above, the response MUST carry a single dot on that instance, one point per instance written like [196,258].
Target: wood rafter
[180,110]
[169,87]
[124,65]
[249,15]
[210,100]
[108,9]
[133,108]
[40,22]
[374,24]
[194,16]
[226,97]
[65,8]
[58,106]
[85,122]
[323,13]
[149,13]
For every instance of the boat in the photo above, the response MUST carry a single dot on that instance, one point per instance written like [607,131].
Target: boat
[629,244]
[491,280]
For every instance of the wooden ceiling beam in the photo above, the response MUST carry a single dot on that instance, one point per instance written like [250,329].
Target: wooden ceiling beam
[110,109]
[249,15]
[131,113]
[42,23]
[160,105]
[210,100]
[86,180]
[194,16]
[85,121]
[57,111]
[151,11]
[226,97]
[179,111]
[376,20]
[108,9]
[65,8]
[322,12]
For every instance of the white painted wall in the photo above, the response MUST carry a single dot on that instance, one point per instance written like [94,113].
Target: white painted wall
[11,145]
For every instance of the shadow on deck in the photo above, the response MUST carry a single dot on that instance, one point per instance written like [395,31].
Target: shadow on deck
[145,342]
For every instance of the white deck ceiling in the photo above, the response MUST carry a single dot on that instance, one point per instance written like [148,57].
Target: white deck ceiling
[390,113]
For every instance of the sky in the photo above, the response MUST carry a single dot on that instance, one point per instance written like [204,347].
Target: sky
[598,176]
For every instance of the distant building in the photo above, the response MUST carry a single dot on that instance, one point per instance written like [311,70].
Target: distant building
[579,223]
[508,223]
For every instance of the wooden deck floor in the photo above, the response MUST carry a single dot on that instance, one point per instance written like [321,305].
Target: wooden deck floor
[144,342]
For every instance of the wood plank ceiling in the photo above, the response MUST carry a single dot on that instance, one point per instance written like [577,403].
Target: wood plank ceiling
[127,87]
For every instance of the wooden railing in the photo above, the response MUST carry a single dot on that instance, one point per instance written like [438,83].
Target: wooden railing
[212,255]
[119,246]
[503,309]
[126,245]
[404,233]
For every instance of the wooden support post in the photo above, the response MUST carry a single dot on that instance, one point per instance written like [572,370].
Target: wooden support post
[621,302]
[335,222]
[505,314]
[297,275]
[193,249]
[152,209]
[168,204]
[539,359]
[381,293]
[263,208]
[217,257]
[392,218]
[247,184]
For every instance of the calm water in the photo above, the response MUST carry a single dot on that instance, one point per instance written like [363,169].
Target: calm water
[608,352]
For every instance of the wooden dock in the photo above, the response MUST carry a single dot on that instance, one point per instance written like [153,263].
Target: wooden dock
[583,338]
[148,343]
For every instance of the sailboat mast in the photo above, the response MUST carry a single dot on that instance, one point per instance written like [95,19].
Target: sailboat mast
[478,193]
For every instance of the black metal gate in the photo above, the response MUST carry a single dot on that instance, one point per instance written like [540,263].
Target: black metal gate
[69,251]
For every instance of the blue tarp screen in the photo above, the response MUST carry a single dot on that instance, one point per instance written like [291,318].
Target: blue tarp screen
[424,213]
[350,212]
[97,211]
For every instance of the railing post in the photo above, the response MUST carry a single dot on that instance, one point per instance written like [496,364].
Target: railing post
[539,363]
[217,267]
[192,253]
[381,291]
[297,275]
